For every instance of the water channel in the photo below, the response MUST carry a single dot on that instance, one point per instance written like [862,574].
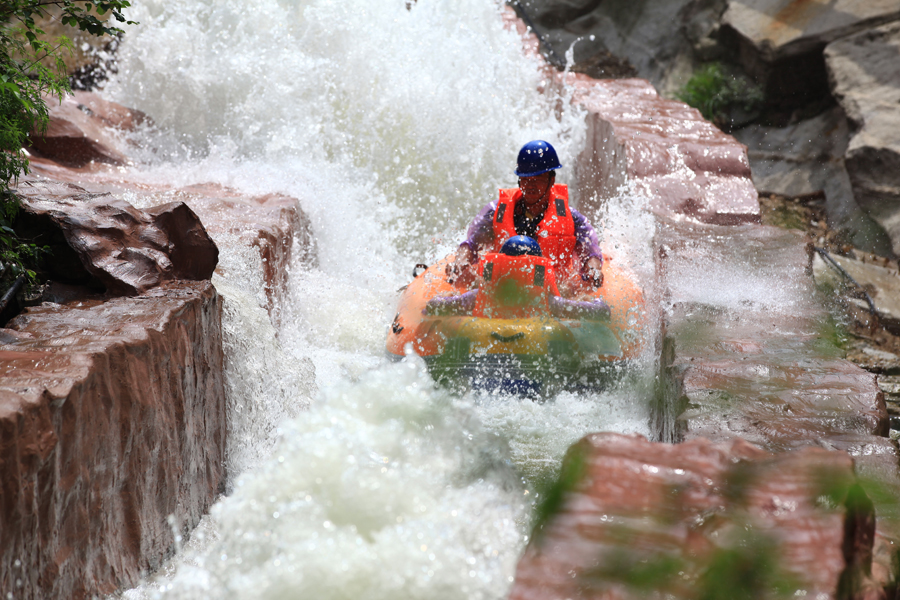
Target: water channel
[393,122]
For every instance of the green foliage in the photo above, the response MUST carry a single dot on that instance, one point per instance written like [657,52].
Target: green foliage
[552,494]
[32,70]
[17,256]
[713,92]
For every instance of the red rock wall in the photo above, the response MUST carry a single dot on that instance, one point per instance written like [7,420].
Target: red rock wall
[112,410]
[665,149]
[112,418]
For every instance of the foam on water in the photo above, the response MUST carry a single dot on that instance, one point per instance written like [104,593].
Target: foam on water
[393,126]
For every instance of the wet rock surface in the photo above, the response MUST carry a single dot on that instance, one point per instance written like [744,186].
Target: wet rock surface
[273,224]
[761,361]
[83,129]
[801,58]
[756,357]
[750,354]
[126,250]
[637,516]
[665,149]
[112,418]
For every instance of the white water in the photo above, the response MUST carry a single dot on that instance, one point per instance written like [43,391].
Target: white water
[392,127]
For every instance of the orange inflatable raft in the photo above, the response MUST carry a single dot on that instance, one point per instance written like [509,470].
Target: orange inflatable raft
[511,331]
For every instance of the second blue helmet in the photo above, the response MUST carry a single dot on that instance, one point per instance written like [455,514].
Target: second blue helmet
[535,158]
[521,245]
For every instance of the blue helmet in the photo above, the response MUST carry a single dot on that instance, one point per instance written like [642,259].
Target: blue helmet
[535,158]
[521,245]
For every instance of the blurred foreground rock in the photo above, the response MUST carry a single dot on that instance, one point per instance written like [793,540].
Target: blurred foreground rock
[694,519]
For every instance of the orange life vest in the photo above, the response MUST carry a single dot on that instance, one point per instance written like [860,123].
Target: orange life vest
[555,232]
[514,286]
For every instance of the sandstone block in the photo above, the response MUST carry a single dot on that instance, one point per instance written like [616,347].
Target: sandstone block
[82,130]
[112,434]
[665,149]
[127,250]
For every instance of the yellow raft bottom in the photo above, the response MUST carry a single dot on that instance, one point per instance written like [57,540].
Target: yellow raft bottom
[535,355]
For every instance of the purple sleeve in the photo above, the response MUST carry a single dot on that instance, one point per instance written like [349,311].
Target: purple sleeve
[481,231]
[586,245]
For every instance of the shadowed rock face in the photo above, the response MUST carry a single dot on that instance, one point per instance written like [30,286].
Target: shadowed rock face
[127,250]
[780,28]
[112,418]
[637,516]
[865,75]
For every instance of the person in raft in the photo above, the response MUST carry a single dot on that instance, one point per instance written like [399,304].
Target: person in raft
[538,209]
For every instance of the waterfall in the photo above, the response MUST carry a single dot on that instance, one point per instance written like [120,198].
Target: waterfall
[392,122]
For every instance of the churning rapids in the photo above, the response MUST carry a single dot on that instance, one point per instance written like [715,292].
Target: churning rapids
[351,477]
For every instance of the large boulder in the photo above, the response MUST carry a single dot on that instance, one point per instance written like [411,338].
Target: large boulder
[780,42]
[126,250]
[865,71]
[112,437]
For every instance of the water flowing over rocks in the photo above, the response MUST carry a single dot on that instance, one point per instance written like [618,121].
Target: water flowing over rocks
[663,148]
[272,223]
[98,450]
